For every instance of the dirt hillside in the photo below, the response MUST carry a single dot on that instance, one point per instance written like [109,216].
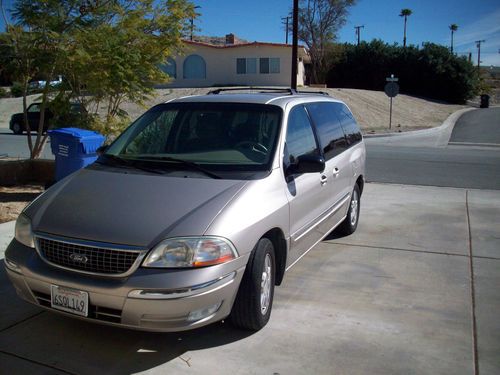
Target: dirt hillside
[371,108]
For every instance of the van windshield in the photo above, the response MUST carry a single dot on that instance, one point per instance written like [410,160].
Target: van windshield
[216,136]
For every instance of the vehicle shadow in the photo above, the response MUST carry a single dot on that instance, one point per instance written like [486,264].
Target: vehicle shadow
[334,235]
[81,347]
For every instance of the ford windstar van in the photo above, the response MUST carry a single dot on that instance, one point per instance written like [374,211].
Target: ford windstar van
[194,213]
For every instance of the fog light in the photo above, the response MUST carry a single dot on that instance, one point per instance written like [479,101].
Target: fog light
[12,266]
[203,313]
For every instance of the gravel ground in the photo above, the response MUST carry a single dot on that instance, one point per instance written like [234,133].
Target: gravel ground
[14,199]
[371,108]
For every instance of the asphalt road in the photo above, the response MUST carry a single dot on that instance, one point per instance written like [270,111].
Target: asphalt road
[470,160]
[16,146]
[457,165]
[460,166]
[480,127]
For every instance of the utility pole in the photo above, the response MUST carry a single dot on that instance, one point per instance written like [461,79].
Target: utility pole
[285,22]
[295,42]
[358,31]
[192,23]
[478,45]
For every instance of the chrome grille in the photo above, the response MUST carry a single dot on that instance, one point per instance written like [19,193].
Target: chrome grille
[90,259]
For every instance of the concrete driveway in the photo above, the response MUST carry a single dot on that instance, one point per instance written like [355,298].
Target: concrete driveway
[394,298]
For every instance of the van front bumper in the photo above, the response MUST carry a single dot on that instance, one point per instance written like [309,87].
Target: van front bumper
[149,299]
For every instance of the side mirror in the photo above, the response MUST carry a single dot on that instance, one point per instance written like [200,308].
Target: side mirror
[101,150]
[307,164]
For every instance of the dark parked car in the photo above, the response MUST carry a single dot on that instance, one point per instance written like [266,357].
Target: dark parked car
[18,126]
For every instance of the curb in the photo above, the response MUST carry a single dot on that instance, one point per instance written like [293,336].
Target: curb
[445,128]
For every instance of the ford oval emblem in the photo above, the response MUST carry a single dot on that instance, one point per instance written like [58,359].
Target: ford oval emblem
[78,258]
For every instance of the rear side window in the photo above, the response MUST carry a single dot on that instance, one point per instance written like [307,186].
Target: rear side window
[349,125]
[330,133]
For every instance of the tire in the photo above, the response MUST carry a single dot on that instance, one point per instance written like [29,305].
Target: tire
[17,128]
[254,301]
[350,223]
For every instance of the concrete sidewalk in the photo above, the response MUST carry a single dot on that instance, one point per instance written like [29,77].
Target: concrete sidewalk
[432,137]
[394,298]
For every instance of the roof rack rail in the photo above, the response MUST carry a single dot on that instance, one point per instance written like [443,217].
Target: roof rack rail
[313,92]
[287,90]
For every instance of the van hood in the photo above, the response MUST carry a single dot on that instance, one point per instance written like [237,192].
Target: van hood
[129,208]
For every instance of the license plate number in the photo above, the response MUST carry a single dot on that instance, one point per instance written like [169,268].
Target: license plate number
[69,300]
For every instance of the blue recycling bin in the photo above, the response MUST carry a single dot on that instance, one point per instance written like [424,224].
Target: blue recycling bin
[74,149]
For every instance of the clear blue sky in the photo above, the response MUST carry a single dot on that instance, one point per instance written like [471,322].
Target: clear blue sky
[261,20]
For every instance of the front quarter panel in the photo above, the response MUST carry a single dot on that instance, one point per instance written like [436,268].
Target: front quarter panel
[256,209]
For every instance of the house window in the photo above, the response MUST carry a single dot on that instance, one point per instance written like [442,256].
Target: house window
[169,68]
[194,67]
[241,66]
[246,66]
[274,63]
[269,65]
[264,65]
[252,66]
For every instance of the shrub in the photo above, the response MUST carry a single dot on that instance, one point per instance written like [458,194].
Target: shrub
[3,93]
[16,90]
[431,71]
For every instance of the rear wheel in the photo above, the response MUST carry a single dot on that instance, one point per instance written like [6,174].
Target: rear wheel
[17,128]
[350,223]
[254,301]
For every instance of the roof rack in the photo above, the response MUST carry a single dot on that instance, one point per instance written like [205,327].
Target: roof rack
[286,90]
[275,89]
[313,92]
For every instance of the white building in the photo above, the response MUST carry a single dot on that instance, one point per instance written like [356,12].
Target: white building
[235,63]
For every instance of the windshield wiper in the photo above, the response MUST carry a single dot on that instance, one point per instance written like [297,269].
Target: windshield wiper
[186,163]
[114,160]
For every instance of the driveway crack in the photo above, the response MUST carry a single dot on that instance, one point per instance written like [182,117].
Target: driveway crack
[472,291]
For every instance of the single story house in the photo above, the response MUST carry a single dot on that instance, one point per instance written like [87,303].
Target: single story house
[235,62]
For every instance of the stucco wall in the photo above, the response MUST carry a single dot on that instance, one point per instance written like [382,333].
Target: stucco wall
[221,66]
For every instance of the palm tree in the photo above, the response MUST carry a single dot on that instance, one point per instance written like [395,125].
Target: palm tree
[405,13]
[453,28]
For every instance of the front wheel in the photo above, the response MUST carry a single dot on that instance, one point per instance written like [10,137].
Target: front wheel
[254,301]
[350,223]
[17,128]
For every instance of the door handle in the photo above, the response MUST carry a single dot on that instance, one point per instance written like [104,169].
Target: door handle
[336,172]
[323,179]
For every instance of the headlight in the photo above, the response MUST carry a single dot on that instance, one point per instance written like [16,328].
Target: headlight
[23,231]
[190,252]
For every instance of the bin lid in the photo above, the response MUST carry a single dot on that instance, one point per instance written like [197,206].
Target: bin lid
[74,132]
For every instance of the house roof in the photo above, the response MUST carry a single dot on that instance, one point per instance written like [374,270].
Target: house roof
[302,50]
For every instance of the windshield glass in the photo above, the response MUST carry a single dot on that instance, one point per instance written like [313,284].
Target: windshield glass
[216,136]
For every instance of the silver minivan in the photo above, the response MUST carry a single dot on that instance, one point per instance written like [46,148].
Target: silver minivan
[194,213]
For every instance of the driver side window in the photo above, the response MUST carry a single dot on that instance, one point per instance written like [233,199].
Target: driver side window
[300,138]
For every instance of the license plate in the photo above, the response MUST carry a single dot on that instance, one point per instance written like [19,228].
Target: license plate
[69,300]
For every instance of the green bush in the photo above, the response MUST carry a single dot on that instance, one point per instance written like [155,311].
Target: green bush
[431,71]
[3,93]
[16,90]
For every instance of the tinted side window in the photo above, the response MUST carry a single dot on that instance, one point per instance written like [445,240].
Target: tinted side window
[349,125]
[325,118]
[300,138]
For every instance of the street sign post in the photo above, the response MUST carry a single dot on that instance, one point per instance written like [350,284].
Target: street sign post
[391,90]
